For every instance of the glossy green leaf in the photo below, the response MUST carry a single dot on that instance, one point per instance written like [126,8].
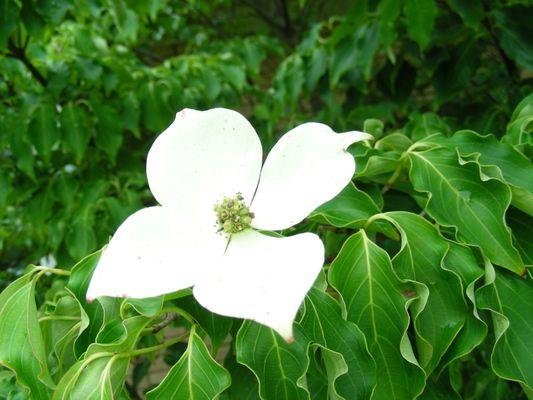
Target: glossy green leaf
[244,384]
[216,326]
[93,315]
[22,347]
[420,259]
[349,209]
[195,376]
[458,197]
[461,260]
[515,168]
[521,226]
[376,300]
[279,366]
[508,297]
[323,324]
[520,126]
[100,374]
[60,328]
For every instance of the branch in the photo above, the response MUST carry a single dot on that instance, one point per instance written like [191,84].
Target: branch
[269,20]
[20,54]
[286,18]
[169,317]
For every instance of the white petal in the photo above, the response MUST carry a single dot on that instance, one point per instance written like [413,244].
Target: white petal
[306,168]
[155,251]
[202,157]
[263,278]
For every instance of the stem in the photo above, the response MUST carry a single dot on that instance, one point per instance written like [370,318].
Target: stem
[263,15]
[169,317]
[182,313]
[146,350]
[392,179]
[20,54]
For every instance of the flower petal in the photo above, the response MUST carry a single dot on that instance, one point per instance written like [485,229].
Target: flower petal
[202,157]
[307,167]
[155,251]
[263,278]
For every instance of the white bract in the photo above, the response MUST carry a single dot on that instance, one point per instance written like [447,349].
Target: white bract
[203,158]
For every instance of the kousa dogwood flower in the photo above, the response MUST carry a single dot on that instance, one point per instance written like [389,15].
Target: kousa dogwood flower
[216,198]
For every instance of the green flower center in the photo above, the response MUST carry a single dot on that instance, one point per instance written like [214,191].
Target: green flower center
[233,215]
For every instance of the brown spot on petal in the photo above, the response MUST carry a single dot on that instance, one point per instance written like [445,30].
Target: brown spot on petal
[289,339]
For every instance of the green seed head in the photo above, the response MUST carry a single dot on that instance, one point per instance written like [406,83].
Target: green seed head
[233,215]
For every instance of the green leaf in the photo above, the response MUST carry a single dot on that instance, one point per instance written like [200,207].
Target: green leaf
[22,347]
[423,125]
[458,197]
[101,373]
[93,315]
[462,261]
[156,114]
[109,129]
[514,33]
[420,259]
[53,11]
[148,306]
[9,12]
[278,365]
[521,226]
[75,129]
[43,131]
[388,11]
[21,147]
[499,160]
[515,168]
[81,238]
[33,21]
[195,376]
[216,326]
[520,126]
[471,11]
[376,300]
[243,382]
[60,328]
[322,323]
[508,297]
[420,20]
[349,209]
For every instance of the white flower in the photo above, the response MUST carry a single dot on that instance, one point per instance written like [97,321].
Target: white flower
[203,158]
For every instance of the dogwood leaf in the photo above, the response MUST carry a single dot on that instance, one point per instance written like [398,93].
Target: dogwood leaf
[458,197]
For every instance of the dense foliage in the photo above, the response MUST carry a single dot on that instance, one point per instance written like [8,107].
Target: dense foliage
[426,291]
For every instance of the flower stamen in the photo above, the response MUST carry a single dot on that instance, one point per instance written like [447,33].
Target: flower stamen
[233,215]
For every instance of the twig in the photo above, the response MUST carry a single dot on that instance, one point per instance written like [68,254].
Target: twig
[20,54]
[269,20]
[169,317]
